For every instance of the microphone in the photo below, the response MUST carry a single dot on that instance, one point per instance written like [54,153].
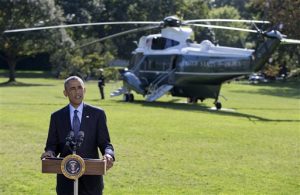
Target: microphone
[69,139]
[80,138]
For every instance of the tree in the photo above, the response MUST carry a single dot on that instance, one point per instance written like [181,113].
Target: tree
[237,4]
[13,15]
[286,14]
[82,61]
[229,38]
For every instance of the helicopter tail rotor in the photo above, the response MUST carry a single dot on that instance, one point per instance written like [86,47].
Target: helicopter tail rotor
[275,34]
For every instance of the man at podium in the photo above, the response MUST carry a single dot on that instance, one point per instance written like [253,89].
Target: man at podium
[78,117]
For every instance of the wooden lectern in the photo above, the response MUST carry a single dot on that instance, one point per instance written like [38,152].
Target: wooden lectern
[92,166]
[87,167]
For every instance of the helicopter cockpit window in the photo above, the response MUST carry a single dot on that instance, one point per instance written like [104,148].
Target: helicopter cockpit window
[159,43]
[136,58]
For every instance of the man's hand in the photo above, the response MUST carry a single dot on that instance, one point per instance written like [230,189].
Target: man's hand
[47,154]
[109,161]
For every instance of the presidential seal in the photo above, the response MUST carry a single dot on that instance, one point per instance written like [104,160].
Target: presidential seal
[72,166]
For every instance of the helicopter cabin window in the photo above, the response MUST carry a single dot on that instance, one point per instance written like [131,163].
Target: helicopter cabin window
[158,63]
[159,43]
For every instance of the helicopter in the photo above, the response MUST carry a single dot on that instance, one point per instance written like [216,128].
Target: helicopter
[171,62]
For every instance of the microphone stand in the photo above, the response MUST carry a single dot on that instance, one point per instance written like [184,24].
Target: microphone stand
[76,180]
[72,145]
[76,144]
[74,148]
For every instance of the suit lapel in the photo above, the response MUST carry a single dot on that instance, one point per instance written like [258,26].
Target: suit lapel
[85,117]
[66,119]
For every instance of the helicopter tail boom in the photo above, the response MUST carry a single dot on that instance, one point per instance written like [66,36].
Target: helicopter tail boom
[265,49]
[263,53]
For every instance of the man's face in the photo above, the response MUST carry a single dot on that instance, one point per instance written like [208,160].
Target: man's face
[75,92]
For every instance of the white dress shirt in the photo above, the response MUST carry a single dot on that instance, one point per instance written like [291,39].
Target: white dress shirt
[79,113]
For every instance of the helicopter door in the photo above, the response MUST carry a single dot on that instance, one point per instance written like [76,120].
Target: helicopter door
[171,73]
[156,66]
[173,62]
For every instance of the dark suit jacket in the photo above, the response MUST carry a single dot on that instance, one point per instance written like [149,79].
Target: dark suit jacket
[93,123]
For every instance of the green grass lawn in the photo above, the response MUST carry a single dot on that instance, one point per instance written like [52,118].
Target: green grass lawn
[165,147]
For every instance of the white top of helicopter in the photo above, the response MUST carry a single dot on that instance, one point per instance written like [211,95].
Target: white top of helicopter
[177,40]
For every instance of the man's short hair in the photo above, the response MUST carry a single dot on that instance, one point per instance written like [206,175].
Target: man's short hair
[73,78]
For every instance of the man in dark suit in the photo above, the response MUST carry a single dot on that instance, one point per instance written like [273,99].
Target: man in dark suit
[93,124]
[101,83]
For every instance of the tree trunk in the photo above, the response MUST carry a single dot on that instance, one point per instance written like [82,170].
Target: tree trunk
[12,69]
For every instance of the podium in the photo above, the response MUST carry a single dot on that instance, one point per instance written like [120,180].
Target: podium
[92,166]
[73,167]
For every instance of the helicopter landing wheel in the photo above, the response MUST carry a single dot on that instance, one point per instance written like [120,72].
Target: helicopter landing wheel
[126,97]
[218,105]
[195,101]
[131,97]
[189,100]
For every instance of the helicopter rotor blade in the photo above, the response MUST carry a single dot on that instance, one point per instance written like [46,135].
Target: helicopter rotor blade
[78,25]
[226,20]
[225,27]
[119,34]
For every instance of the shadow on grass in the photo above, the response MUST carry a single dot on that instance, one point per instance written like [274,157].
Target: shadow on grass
[289,89]
[28,74]
[21,84]
[206,109]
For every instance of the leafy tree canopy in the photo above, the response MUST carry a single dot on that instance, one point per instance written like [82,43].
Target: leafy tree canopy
[14,14]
